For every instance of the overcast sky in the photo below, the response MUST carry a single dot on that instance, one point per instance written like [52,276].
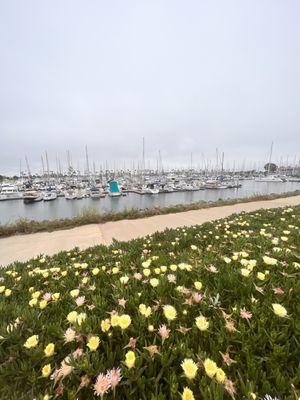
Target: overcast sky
[189,76]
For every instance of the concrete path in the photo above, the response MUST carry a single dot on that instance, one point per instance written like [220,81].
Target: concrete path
[24,247]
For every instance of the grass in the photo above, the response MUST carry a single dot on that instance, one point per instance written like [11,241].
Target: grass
[230,272]
[89,216]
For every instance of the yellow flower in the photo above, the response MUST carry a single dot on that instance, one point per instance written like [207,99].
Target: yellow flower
[130,359]
[32,341]
[74,292]
[145,311]
[245,272]
[154,282]
[150,328]
[210,367]
[189,368]
[269,260]
[56,296]
[114,320]
[46,370]
[202,323]
[261,276]
[32,302]
[81,317]
[252,395]
[7,292]
[43,304]
[115,270]
[72,316]
[85,280]
[36,295]
[2,288]
[170,312]
[227,260]
[146,264]
[93,343]
[173,267]
[146,272]
[163,268]
[198,285]
[220,375]
[279,310]
[193,247]
[49,350]
[124,321]
[187,394]
[124,279]
[105,325]
[95,271]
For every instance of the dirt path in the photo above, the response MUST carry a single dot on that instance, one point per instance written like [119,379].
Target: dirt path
[24,247]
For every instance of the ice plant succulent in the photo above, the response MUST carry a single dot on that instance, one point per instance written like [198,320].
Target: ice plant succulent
[189,368]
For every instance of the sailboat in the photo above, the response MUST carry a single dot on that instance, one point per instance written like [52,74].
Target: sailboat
[49,195]
[32,196]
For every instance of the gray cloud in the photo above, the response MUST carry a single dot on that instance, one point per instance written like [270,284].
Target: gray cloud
[188,76]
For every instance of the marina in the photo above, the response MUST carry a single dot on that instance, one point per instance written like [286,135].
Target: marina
[60,208]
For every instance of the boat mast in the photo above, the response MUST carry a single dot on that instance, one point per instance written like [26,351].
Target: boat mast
[47,163]
[28,169]
[271,151]
[43,166]
[87,161]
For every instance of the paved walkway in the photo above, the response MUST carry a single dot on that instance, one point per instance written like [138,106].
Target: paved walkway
[24,247]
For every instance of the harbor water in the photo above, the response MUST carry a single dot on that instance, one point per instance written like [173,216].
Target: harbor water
[12,210]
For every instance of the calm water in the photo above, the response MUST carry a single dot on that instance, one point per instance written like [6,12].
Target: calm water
[60,208]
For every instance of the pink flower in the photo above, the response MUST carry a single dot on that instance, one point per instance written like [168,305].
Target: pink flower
[131,343]
[122,302]
[114,376]
[171,278]
[245,314]
[47,296]
[80,301]
[65,369]
[278,290]
[137,276]
[197,297]
[213,269]
[102,385]
[77,353]
[164,332]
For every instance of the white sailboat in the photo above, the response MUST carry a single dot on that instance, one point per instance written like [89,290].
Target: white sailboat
[49,196]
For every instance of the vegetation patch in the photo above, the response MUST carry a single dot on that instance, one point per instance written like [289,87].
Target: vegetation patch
[208,312]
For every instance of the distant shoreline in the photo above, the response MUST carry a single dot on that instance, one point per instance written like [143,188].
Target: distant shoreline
[25,226]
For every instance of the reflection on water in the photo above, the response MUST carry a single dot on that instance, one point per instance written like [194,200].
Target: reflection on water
[12,210]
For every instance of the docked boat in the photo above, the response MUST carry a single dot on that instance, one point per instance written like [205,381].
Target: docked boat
[95,193]
[70,194]
[211,184]
[10,192]
[79,194]
[50,195]
[114,190]
[150,189]
[32,196]
[269,178]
